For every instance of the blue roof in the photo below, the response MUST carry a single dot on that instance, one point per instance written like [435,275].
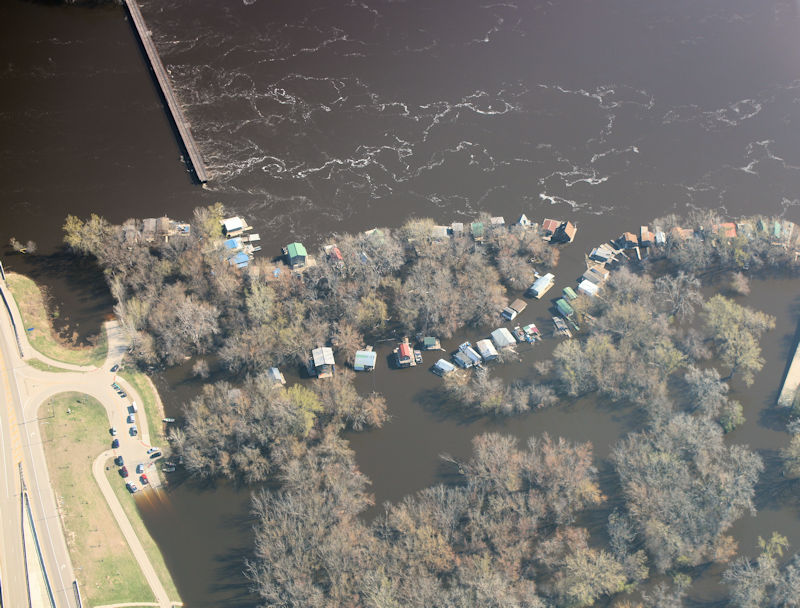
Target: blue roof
[233,243]
[240,260]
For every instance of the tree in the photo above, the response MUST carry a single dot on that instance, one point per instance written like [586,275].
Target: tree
[680,293]
[791,457]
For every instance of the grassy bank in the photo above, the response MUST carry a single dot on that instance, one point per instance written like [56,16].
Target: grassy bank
[128,503]
[152,404]
[43,338]
[104,565]
[46,367]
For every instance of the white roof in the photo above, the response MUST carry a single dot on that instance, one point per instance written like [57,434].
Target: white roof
[323,356]
[588,287]
[444,365]
[486,348]
[497,221]
[523,220]
[502,337]
[543,281]
[233,223]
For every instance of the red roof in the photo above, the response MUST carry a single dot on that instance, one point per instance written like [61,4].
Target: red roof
[550,225]
[405,351]
[727,229]
[336,254]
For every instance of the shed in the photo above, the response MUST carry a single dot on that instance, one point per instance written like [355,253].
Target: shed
[324,364]
[296,255]
[457,228]
[233,244]
[503,338]
[542,285]
[509,314]
[275,376]
[629,240]
[149,228]
[497,221]
[476,230]
[443,367]
[365,360]
[589,288]
[661,238]
[596,274]
[524,221]
[569,293]
[404,354]
[603,253]
[645,236]
[519,305]
[549,226]
[564,308]
[487,350]
[776,229]
[440,232]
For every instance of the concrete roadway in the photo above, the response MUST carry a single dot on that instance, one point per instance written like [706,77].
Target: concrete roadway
[22,390]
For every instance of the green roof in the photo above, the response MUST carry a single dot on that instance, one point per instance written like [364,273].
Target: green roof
[476,228]
[570,293]
[296,250]
[777,229]
[429,341]
[564,308]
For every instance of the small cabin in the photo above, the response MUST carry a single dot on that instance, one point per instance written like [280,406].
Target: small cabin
[569,293]
[365,360]
[240,260]
[517,306]
[404,355]
[234,226]
[431,343]
[443,367]
[295,255]
[603,253]
[457,228]
[541,286]
[549,227]
[596,274]
[503,338]
[471,354]
[564,308]
[322,363]
[234,244]
[646,237]
[726,230]
[487,350]
[509,314]
[276,377]
[524,221]
[629,240]
[462,360]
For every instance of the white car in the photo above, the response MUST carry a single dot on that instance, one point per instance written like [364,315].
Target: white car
[131,419]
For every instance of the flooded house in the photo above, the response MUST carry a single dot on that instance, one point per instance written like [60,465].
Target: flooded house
[524,221]
[443,367]
[511,311]
[646,238]
[404,355]
[478,231]
[487,350]
[462,360]
[541,286]
[365,360]
[603,253]
[430,343]
[472,356]
[628,240]
[503,338]
[564,233]
[564,308]
[322,364]
[725,229]
[595,274]
[234,226]
[589,288]
[569,293]
[295,255]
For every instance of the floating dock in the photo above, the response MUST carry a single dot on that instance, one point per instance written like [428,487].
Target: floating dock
[178,116]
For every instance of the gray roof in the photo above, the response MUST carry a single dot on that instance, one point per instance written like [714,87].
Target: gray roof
[323,356]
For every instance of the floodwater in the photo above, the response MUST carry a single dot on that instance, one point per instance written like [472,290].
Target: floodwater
[318,116]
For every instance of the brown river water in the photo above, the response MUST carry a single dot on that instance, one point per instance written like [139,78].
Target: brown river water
[318,116]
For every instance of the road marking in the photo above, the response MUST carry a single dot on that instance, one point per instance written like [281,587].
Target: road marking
[13,425]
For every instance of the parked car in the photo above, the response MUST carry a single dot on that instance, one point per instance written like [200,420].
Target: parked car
[113,430]
[151,450]
[155,455]
[115,444]
[143,479]
[123,394]
[134,431]
[140,468]
[115,367]
[132,488]
[123,471]
[119,461]
[131,419]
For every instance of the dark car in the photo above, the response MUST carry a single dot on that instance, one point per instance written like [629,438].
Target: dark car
[118,461]
[132,488]
[124,471]
[155,455]
[115,444]
[115,368]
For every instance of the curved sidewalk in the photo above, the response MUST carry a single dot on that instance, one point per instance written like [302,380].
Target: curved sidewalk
[98,470]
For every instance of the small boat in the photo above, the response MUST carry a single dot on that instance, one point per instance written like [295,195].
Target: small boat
[518,334]
[418,357]
[168,420]
[168,468]
[561,327]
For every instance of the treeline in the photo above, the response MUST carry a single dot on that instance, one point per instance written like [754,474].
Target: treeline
[504,537]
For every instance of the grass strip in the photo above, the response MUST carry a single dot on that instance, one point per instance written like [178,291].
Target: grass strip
[43,338]
[151,403]
[128,503]
[104,565]
[46,367]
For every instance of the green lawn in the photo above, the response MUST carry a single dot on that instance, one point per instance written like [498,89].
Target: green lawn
[129,505]
[43,338]
[104,565]
[45,367]
[153,412]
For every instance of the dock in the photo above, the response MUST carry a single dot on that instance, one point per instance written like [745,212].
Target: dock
[791,382]
[178,117]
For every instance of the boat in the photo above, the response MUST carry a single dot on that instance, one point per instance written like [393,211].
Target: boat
[561,327]
[168,420]
[418,357]
[532,332]
[518,334]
